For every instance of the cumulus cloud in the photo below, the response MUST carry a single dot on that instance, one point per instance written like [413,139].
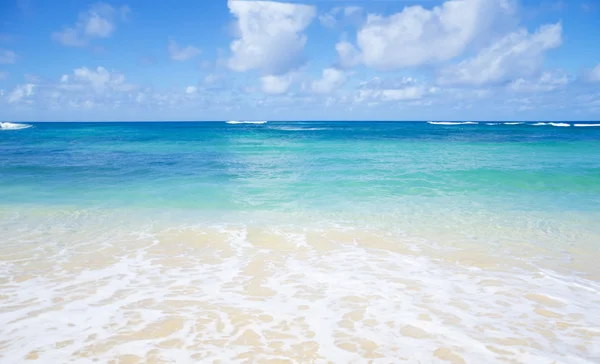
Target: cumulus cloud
[276,84]
[190,90]
[331,79]
[7,56]
[20,92]
[270,36]
[518,54]
[417,36]
[97,22]
[178,53]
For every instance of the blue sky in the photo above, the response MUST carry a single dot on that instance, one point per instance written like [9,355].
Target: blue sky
[300,60]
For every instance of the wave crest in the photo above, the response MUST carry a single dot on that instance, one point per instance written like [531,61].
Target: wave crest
[451,122]
[246,122]
[13,126]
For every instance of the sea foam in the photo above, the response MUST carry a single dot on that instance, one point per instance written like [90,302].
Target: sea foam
[13,126]
[451,122]
[246,122]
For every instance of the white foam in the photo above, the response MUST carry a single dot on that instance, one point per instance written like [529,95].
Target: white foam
[512,123]
[451,122]
[13,126]
[93,293]
[291,128]
[586,125]
[560,124]
[246,122]
[492,123]
[540,124]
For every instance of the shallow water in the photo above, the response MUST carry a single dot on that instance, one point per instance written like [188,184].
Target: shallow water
[306,242]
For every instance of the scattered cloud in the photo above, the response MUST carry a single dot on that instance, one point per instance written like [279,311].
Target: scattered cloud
[178,53]
[545,83]
[331,79]
[7,56]
[594,74]
[190,90]
[21,92]
[417,36]
[339,14]
[276,84]
[518,54]
[271,36]
[97,22]
[403,89]
[98,80]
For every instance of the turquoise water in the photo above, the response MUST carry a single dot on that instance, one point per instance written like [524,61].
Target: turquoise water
[291,167]
[306,241]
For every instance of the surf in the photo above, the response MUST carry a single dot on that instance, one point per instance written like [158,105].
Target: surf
[13,126]
[246,122]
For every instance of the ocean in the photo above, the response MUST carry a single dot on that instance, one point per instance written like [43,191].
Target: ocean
[303,242]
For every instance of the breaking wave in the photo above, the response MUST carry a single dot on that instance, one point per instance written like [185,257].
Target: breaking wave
[451,122]
[246,122]
[13,126]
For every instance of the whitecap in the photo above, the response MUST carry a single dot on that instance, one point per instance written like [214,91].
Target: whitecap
[586,125]
[246,122]
[492,123]
[451,122]
[13,126]
[291,128]
[512,123]
[540,124]
[560,124]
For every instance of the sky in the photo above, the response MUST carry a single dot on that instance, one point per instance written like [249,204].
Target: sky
[74,60]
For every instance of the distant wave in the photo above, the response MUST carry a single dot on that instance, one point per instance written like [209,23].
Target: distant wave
[246,122]
[451,122]
[552,124]
[492,123]
[512,123]
[586,125]
[292,128]
[13,126]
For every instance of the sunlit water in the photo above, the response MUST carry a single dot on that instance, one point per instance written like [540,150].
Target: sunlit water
[300,242]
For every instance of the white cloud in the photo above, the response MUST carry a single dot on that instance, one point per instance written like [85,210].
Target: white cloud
[330,19]
[270,35]
[518,54]
[20,92]
[349,56]
[594,74]
[404,89]
[417,36]
[191,90]
[99,80]
[546,82]
[273,84]
[327,20]
[7,56]
[178,53]
[97,22]
[331,79]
